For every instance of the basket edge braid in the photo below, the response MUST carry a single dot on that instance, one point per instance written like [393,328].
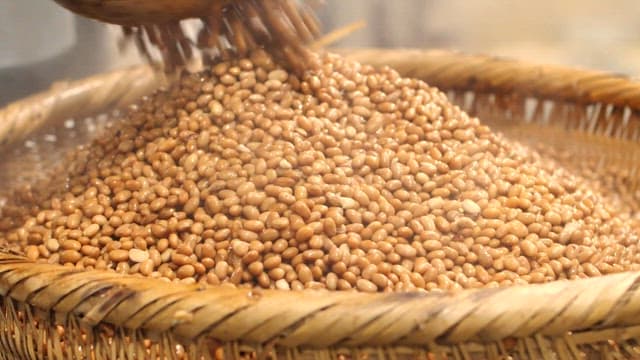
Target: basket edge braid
[458,71]
[74,99]
[305,318]
[321,318]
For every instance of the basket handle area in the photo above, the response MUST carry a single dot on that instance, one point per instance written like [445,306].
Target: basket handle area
[320,319]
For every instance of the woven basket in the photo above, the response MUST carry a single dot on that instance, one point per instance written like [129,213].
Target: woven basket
[54,312]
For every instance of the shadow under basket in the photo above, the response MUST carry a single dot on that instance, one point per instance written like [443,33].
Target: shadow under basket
[589,118]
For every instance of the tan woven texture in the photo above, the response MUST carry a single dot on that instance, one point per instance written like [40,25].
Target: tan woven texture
[74,100]
[106,315]
[450,70]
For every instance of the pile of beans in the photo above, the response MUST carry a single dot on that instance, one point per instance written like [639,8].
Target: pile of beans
[347,177]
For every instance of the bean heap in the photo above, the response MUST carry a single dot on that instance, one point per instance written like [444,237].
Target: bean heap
[347,177]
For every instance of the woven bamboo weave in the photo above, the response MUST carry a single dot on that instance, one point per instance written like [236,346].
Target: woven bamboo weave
[54,312]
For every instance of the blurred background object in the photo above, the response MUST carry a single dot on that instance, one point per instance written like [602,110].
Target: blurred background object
[41,43]
[588,33]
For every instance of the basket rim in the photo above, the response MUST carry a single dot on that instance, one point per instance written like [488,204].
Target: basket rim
[445,69]
[457,70]
[320,318]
